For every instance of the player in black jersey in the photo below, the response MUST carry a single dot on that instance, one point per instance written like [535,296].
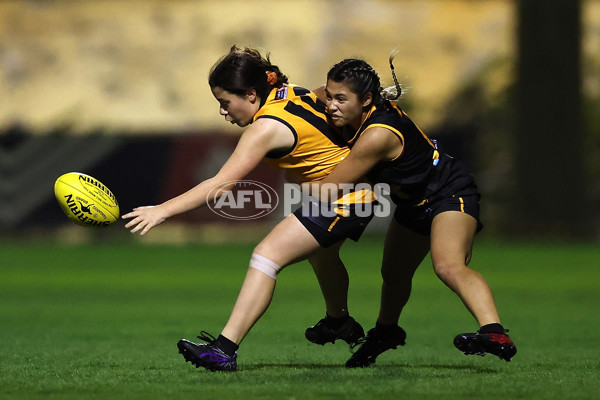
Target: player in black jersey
[437,209]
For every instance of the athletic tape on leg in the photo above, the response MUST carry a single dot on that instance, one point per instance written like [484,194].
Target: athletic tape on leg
[264,265]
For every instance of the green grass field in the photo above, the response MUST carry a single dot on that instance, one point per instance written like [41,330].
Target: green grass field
[101,322]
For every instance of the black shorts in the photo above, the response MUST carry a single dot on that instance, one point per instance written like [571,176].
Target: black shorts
[418,218]
[450,187]
[331,227]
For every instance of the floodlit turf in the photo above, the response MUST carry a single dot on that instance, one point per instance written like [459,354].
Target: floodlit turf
[101,322]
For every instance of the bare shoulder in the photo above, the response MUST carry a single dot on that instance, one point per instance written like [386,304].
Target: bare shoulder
[378,136]
[320,93]
[269,133]
[380,141]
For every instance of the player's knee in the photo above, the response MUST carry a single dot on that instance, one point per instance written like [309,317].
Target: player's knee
[264,265]
[447,270]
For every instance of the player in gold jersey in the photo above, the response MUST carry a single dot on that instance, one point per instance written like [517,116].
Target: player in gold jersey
[287,127]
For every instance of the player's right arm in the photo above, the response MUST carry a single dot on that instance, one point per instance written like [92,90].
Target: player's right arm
[320,93]
[375,145]
[261,137]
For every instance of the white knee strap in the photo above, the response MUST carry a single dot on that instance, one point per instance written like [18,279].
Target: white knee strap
[264,265]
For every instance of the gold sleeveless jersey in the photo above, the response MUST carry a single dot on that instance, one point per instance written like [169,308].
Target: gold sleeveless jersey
[317,148]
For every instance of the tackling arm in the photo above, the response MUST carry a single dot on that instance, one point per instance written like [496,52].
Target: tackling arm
[373,146]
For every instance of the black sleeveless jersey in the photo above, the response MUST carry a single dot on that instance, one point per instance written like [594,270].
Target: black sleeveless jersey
[421,170]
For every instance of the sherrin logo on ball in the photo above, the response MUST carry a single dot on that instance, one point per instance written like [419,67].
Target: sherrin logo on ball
[86,201]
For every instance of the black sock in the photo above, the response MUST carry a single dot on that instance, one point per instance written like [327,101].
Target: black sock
[226,345]
[386,329]
[335,323]
[492,328]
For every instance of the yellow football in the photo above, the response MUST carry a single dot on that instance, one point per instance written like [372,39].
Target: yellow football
[86,201]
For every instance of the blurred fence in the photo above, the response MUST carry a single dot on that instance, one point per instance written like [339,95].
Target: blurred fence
[117,89]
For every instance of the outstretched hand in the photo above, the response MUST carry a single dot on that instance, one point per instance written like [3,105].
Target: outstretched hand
[144,218]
